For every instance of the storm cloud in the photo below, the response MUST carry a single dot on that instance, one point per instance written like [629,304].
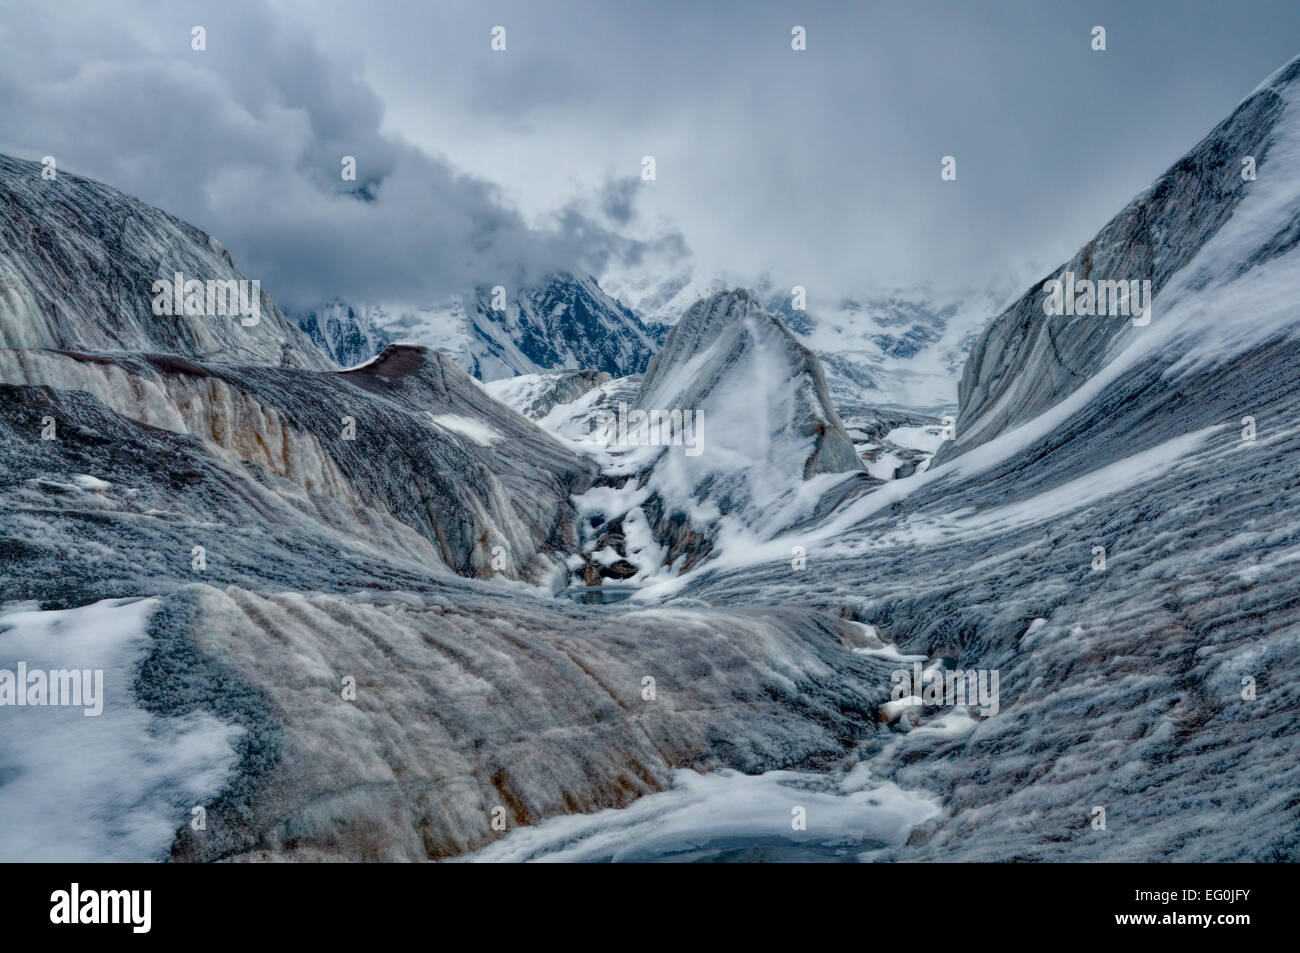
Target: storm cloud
[247,139]
[479,166]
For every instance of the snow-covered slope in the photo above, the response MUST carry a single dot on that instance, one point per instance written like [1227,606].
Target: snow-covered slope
[1198,230]
[350,674]
[406,451]
[1113,537]
[344,643]
[77,265]
[564,322]
[536,395]
[473,698]
[730,435]
[762,392]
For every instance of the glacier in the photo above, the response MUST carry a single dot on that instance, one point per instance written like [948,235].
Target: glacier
[332,601]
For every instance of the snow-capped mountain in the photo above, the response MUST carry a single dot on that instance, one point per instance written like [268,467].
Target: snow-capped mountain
[347,337]
[1114,532]
[1198,228]
[1112,535]
[231,543]
[728,436]
[564,322]
[901,349]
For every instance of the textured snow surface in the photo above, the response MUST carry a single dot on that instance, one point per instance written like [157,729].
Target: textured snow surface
[766,424]
[765,448]
[1121,687]
[111,787]
[471,694]
[1207,240]
[434,464]
[536,395]
[369,562]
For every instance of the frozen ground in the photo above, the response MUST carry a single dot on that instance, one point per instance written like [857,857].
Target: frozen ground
[369,661]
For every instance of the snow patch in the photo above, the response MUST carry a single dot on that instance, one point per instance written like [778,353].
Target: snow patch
[115,787]
[475,430]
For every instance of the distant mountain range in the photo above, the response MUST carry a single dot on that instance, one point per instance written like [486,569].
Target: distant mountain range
[340,610]
[896,348]
[902,349]
[566,321]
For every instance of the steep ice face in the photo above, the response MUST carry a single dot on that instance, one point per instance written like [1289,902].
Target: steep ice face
[564,322]
[568,321]
[78,262]
[731,359]
[1202,224]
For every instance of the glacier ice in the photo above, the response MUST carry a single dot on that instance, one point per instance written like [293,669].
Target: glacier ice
[370,662]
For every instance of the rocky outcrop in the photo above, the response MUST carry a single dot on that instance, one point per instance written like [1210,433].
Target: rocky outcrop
[344,335]
[383,708]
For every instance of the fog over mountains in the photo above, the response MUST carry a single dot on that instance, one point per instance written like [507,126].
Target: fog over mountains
[902,349]
[336,566]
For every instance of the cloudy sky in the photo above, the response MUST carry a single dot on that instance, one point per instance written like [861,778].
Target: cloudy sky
[820,167]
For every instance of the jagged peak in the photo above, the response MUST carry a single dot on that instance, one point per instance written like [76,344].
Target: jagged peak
[709,319]
[729,304]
